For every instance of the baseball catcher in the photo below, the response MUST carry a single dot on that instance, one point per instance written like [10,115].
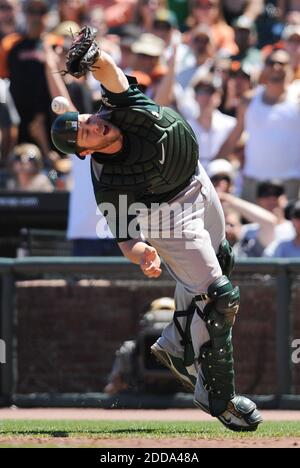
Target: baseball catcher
[161,205]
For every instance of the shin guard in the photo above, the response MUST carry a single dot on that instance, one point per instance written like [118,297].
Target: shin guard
[216,356]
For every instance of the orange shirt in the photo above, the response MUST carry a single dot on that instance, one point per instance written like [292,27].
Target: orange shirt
[10,41]
[7,43]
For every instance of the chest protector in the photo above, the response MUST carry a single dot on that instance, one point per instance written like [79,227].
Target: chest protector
[160,151]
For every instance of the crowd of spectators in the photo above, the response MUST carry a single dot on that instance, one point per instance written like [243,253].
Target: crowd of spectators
[230,67]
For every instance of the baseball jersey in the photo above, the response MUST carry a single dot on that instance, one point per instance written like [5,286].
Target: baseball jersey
[157,161]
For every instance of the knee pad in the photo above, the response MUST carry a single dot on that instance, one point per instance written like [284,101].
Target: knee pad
[216,356]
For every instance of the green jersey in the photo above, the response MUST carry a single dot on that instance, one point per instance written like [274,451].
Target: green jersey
[158,158]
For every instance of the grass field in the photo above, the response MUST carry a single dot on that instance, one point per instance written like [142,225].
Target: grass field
[29,433]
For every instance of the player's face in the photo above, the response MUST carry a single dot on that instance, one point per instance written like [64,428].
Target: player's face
[96,134]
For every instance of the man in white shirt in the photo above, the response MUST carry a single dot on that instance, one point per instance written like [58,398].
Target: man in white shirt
[271,117]
[211,127]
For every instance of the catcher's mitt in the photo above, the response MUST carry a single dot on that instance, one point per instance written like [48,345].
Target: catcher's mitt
[83,53]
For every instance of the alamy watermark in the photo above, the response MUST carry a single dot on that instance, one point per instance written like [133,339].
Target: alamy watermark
[157,221]
[2,352]
[296,352]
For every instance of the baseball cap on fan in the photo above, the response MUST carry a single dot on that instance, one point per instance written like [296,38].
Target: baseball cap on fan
[64,132]
[220,167]
[165,17]
[148,44]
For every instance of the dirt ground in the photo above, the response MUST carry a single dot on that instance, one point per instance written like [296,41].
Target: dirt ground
[144,443]
[141,415]
[130,415]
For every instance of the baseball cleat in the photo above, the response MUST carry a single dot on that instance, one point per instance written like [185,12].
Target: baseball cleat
[241,415]
[176,366]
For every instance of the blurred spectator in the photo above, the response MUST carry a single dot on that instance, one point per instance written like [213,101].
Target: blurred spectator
[292,17]
[72,10]
[22,60]
[116,12]
[221,173]
[267,15]
[109,42]
[181,10]
[145,13]
[166,91]
[9,10]
[258,235]
[165,26]
[271,118]
[291,36]
[96,17]
[128,34]
[290,7]
[9,122]
[242,245]
[147,51]
[234,8]
[27,170]
[291,249]
[204,52]
[119,12]
[271,196]
[209,13]
[238,83]
[233,230]
[211,127]
[245,37]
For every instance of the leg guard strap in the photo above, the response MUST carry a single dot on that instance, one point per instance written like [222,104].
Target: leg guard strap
[216,356]
[186,339]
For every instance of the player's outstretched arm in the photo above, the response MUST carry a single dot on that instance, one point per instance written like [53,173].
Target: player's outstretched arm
[109,74]
[85,55]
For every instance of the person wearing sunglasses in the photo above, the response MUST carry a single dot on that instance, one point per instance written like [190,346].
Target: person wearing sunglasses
[26,166]
[210,14]
[211,127]
[203,54]
[271,117]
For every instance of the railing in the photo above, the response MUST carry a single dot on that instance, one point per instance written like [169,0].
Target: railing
[11,271]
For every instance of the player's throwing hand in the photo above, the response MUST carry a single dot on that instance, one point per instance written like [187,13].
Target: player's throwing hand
[150,263]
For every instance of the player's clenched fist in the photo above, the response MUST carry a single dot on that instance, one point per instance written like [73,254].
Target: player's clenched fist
[150,263]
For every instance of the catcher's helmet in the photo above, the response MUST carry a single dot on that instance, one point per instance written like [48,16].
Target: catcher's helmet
[64,132]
